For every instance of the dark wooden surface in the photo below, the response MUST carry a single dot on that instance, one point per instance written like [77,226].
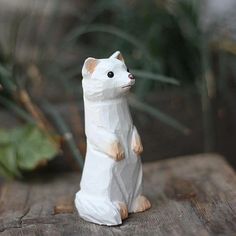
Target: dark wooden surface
[193,195]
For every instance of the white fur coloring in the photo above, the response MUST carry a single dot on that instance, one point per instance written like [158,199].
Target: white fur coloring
[107,182]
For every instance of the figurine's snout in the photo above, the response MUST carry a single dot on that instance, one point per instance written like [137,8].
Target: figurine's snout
[131,76]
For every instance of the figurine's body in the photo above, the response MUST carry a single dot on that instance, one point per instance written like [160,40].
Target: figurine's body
[111,184]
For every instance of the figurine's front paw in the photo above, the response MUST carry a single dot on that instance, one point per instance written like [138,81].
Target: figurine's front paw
[137,146]
[116,151]
[138,149]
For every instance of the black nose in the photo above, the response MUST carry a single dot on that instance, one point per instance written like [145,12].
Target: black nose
[131,76]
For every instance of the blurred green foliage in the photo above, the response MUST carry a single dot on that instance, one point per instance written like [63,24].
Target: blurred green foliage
[161,40]
[163,36]
[24,148]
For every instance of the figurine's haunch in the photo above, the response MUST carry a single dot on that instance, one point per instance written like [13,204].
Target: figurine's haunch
[111,185]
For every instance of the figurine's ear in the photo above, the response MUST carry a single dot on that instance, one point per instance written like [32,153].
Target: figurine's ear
[118,56]
[89,66]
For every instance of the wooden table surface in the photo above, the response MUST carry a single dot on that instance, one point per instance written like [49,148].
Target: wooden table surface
[193,195]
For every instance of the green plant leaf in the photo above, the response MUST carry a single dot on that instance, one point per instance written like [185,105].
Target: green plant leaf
[4,137]
[8,161]
[33,148]
[23,148]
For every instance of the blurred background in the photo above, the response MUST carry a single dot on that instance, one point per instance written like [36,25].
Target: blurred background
[182,52]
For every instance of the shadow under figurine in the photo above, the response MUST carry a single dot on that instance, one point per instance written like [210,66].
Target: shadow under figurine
[111,184]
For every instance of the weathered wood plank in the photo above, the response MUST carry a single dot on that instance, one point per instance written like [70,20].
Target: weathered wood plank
[190,196]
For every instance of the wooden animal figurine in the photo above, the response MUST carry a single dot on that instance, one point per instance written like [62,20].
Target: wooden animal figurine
[111,184]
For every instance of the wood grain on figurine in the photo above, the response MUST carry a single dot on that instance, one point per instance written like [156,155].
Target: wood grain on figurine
[193,195]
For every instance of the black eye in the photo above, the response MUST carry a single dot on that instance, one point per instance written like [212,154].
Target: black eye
[127,69]
[110,74]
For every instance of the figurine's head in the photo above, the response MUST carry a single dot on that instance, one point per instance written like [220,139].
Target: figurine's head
[105,79]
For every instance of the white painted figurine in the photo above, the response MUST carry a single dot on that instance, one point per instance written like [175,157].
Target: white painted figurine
[111,185]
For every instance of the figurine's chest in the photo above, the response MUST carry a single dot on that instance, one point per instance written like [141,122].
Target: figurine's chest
[114,115]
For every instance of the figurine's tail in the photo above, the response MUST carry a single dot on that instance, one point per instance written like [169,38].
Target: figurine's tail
[96,210]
